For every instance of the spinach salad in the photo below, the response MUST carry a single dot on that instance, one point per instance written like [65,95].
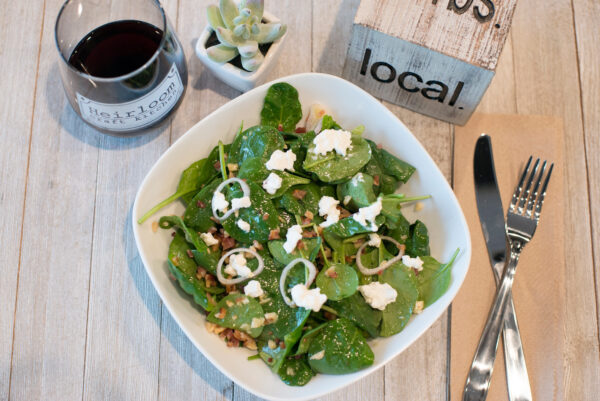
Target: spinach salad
[294,243]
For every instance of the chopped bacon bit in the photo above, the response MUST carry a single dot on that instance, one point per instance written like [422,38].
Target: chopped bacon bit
[320,230]
[301,245]
[233,288]
[274,234]
[306,221]
[379,146]
[201,272]
[266,216]
[257,245]
[331,272]
[227,243]
[309,234]
[329,316]
[343,212]
[348,259]
[300,130]
[376,180]
[173,234]
[217,165]
[270,360]
[298,356]
[210,281]
[279,127]
[201,204]
[282,344]
[154,226]
[299,194]
[189,253]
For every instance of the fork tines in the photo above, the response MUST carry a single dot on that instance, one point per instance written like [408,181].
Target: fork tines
[527,199]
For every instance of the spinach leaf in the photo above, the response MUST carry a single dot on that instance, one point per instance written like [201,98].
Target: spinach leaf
[339,348]
[396,315]
[401,231]
[329,123]
[356,309]
[184,270]
[278,339]
[334,167]
[337,281]
[202,176]
[310,249]
[348,227]
[360,191]
[307,338]
[202,255]
[237,311]
[199,211]
[295,372]
[254,169]
[309,202]
[387,183]
[433,281]
[418,243]
[261,207]
[281,107]
[258,141]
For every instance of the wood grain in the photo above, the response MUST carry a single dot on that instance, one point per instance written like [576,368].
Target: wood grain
[545,86]
[434,25]
[587,15]
[19,54]
[50,326]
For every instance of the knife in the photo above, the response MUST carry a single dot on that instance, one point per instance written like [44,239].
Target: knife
[491,216]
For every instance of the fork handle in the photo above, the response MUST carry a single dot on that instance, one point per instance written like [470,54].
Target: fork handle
[478,380]
[517,379]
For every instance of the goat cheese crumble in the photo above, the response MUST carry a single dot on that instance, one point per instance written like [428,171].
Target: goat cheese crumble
[243,225]
[272,183]
[240,203]
[331,139]
[378,295]
[369,214]
[253,289]
[237,266]
[294,234]
[281,160]
[219,202]
[374,240]
[328,207]
[208,239]
[308,299]
[415,263]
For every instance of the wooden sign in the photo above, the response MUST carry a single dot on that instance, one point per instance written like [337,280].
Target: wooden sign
[435,57]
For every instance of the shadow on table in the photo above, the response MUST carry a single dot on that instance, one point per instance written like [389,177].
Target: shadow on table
[60,110]
[169,329]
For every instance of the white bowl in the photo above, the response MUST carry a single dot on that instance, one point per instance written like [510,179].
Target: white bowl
[233,76]
[350,106]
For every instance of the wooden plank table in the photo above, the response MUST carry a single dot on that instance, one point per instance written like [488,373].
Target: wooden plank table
[79,318]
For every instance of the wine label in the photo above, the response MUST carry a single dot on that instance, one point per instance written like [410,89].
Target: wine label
[138,113]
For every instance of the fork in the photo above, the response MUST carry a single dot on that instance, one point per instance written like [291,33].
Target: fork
[521,221]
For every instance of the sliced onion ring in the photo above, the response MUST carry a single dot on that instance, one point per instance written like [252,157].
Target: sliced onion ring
[312,273]
[245,190]
[230,281]
[385,264]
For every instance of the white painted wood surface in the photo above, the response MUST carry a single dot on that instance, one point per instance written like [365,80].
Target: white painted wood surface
[79,317]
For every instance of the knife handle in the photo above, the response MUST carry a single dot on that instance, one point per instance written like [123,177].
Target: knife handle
[517,379]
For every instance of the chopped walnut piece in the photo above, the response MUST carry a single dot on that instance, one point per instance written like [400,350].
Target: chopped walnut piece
[309,215]
[419,206]
[240,335]
[272,344]
[217,165]
[419,306]
[232,167]
[250,344]
[274,234]
[229,303]
[212,230]
[257,245]
[343,213]
[189,253]
[257,322]
[201,204]
[221,314]
[154,226]
[271,317]
[300,130]
[331,272]
[201,272]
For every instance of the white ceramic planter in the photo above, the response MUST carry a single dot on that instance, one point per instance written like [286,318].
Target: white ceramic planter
[236,77]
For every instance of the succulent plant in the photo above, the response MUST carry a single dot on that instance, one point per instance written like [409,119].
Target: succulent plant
[240,31]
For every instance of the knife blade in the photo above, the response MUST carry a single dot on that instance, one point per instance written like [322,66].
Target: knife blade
[491,216]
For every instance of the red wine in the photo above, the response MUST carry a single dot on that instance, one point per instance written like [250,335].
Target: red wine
[116,49]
